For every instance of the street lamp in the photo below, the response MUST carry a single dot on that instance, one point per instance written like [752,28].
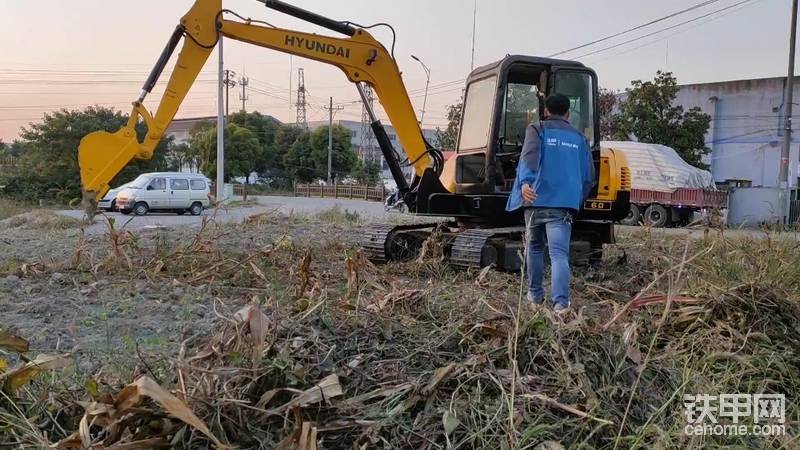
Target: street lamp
[427,83]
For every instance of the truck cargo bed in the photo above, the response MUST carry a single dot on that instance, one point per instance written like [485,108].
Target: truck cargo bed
[682,197]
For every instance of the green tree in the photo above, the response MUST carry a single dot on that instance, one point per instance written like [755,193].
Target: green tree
[242,151]
[265,129]
[368,172]
[48,161]
[606,104]
[343,157]
[647,114]
[448,138]
[307,158]
[299,159]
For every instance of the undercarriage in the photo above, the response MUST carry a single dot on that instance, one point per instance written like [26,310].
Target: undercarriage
[472,247]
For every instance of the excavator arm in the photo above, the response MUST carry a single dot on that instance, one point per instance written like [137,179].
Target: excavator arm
[360,56]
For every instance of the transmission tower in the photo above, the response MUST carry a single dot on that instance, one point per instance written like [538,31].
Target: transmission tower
[244,82]
[301,104]
[367,136]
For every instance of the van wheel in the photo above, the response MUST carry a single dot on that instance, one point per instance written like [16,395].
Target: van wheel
[140,209]
[113,206]
[656,216]
[196,209]
[125,212]
[634,216]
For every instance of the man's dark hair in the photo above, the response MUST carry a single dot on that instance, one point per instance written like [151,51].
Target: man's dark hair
[557,104]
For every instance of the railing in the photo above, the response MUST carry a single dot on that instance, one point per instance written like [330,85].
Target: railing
[375,193]
[8,161]
[794,212]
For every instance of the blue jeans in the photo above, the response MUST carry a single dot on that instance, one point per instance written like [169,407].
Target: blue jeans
[553,226]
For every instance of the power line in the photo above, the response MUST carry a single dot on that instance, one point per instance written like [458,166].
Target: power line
[663,29]
[638,27]
[654,41]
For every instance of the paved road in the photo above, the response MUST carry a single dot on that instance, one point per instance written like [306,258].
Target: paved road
[371,211]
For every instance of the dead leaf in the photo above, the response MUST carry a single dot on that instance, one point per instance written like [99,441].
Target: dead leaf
[326,389]
[16,378]
[450,422]
[146,387]
[386,391]
[482,276]
[3,365]
[308,437]
[259,273]
[145,444]
[438,376]
[549,445]
[13,342]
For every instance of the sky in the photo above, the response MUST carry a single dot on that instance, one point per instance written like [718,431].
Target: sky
[70,54]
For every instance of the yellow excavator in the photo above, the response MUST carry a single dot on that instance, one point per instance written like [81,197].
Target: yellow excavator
[470,188]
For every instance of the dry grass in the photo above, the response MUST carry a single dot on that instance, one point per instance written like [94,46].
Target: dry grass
[10,208]
[426,357]
[40,220]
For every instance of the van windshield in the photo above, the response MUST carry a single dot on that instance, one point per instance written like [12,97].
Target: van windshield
[139,183]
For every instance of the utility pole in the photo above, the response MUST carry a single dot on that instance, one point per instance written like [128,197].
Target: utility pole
[474,23]
[789,98]
[221,126]
[331,109]
[244,82]
[427,84]
[229,83]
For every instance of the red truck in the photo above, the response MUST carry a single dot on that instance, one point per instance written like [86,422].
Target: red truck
[664,209]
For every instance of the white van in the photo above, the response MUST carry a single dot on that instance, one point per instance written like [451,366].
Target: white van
[165,191]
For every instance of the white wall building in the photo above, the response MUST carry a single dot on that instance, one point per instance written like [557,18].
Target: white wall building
[746,131]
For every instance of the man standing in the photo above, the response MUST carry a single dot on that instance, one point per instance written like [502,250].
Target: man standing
[554,176]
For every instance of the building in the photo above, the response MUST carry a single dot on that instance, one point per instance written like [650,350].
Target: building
[372,152]
[180,129]
[746,132]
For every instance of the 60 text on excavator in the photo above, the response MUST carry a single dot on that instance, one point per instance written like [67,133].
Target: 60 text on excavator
[471,188]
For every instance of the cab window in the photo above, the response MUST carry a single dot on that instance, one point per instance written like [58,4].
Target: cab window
[158,184]
[179,185]
[478,108]
[198,185]
[520,109]
[579,88]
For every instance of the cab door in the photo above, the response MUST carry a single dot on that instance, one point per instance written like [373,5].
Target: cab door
[156,194]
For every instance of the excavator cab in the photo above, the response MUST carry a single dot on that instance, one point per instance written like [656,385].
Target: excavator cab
[501,100]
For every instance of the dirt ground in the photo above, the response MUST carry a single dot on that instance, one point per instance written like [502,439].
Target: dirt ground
[59,307]
[425,353]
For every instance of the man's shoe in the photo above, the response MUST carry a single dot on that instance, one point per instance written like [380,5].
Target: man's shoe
[534,300]
[561,309]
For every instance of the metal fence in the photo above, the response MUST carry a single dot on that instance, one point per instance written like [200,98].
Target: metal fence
[376,193]
[794,212]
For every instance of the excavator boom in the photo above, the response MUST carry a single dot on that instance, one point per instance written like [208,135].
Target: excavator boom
[360,56]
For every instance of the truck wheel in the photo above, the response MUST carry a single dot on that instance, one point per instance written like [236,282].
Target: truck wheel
[656,216]
[196,209]
[140,209]
[634,217]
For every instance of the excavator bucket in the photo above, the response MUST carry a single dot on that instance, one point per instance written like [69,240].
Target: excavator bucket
[101,156]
